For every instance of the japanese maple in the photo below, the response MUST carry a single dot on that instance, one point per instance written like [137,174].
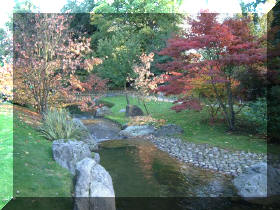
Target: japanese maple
[145,82]
[210,55]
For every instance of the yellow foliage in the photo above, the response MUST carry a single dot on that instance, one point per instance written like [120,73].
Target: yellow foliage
[142,120]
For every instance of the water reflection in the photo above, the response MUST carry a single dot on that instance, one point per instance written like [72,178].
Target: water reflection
[139,169]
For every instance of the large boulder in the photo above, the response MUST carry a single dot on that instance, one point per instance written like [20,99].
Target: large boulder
[133,110]
[79,123]
[168,130]
[101,112]
[104,130]
[252,183]
[68,152]
[92,143]
[96,157]
[137,130]
[94,187]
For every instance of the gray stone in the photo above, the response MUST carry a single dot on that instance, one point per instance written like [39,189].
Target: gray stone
[104,130]
[137,130]
[168,130]
[83,116]
[83,179]
[79,123]
[103,111]
[68,153]
[94,187]
[133,110]
[92,143]
[253,181]
[97,157]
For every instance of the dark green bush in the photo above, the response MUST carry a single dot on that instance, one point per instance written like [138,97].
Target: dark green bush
[254,116]
[74,109]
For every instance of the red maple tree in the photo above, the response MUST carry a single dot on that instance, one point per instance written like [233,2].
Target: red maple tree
[211,54]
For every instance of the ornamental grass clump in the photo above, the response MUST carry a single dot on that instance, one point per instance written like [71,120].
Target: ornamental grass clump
[57,124]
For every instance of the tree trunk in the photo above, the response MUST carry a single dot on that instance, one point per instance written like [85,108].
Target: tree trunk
[126,96]
[224,108]
[146,108]
[231,108]
[127,100]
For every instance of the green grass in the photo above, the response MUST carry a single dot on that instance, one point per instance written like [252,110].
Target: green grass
[6,154]
[195,125]
[36,174]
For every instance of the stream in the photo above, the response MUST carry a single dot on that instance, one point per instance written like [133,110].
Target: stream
[145,177]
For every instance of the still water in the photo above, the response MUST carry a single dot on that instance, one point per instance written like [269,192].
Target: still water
[146,178]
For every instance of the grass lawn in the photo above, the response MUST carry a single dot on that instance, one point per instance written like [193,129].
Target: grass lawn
[6,153]
[36,174]
[195,125]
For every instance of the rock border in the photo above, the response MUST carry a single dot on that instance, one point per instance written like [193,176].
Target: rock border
[209,157]
[93,184]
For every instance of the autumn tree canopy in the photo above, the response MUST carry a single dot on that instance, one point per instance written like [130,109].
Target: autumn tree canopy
[6,82]
[211,54]
[47,58]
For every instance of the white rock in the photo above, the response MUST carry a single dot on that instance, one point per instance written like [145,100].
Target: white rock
[94,187]
[137,130]
[68,153]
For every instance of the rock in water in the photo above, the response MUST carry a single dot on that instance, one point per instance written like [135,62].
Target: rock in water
[79,123]
[94,187]
[104,129]
[252,183]
[133,110]
[92,143]
[97,157]
[68,153]
[101,112]
[137,130]
[168,130]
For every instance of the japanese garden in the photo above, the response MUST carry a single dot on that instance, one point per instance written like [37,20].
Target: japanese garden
[139,106]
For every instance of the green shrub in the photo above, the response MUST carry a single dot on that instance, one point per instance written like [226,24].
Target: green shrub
[255,116]
[58,124]
[74,109]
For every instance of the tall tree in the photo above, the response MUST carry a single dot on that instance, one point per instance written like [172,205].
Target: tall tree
[273,75]
[74,6]
[137,6]
[5,46]
[121,38]
[214,53]
[25,6]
